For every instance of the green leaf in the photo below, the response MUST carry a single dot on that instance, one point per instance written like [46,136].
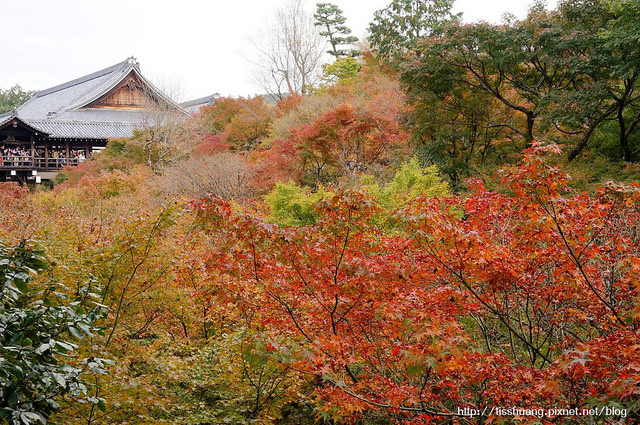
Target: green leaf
[21,284]
[75,332]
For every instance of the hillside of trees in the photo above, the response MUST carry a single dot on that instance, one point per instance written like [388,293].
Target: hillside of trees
[429,226]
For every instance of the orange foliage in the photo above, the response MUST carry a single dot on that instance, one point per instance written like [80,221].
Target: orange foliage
[278,163]
[16,218]
[288,104]
[347,140]
[211,144]
[87,169]
[527,299]
[242,122]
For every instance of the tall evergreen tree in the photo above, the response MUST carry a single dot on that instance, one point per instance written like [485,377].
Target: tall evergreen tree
[396,29]
[330,19]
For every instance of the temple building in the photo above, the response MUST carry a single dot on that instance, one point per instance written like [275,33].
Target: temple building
[66,124]
[193,106]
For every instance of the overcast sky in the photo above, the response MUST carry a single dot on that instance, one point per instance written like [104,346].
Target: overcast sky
[192,47]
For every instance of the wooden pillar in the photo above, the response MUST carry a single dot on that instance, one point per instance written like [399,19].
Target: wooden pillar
[33,151]
[66,152]
[86,150]
[46,154]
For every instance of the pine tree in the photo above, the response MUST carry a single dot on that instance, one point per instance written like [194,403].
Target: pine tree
[332,23]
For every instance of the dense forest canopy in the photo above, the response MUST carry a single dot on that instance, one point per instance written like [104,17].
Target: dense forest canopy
[444,224]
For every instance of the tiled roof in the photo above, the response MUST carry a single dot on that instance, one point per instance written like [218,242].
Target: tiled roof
[195,104]
[6,117]
[85,129]
[62,110]
[10,116]
[76,93]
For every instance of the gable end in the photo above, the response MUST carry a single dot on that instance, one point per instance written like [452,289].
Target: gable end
[130,93]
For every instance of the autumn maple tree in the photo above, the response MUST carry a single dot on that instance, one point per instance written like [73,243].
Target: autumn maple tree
[241,123]
[345,141]
[493,299]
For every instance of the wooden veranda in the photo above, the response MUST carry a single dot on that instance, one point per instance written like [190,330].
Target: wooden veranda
[24,149]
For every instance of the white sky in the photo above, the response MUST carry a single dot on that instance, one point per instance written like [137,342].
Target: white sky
[193,48]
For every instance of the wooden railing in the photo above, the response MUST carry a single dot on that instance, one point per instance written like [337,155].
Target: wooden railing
[27,161]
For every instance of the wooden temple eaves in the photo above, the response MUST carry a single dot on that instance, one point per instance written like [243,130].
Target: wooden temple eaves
[12,126]
[65,124]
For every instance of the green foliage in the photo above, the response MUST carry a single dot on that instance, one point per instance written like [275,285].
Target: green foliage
[123,153]
[342,70]
[293,205]
[594,170]
[12,98]
[600,40]
[470,62]
[413,180]
[235,378]
[451,132]
[564,75]
[36,325]
[144,148]
[410,181]
[60,178]
[396,29]
[330,19]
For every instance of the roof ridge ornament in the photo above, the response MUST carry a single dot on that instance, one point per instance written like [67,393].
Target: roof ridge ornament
[132,60]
